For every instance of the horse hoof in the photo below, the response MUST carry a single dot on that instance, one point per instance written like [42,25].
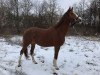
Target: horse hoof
[55,73]
[35,63]
[57,68]
[19,65]
[18,68]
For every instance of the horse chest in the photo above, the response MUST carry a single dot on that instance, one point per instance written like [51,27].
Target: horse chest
[60,41]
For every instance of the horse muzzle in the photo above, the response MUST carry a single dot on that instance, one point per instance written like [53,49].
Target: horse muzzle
[79,19]
[75,21]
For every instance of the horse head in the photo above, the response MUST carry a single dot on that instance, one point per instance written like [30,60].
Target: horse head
[74,18]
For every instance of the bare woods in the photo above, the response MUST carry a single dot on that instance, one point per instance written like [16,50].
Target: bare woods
[18,15]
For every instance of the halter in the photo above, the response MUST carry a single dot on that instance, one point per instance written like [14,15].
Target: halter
[76,20]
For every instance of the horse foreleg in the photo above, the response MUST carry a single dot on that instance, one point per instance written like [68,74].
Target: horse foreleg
[32,53]
[56,51]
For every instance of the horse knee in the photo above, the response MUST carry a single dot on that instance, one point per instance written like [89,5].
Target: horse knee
[56,52]
[56,55]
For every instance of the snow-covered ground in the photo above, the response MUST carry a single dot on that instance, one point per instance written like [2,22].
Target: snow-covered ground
[78,56]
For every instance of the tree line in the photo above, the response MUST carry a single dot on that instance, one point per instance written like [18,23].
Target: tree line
[90,14]
[18,15]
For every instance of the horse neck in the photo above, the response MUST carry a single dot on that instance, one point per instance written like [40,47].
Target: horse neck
[63,27]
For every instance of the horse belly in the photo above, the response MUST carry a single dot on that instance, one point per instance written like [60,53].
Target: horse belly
[49,42]
[45,43]
[47,39]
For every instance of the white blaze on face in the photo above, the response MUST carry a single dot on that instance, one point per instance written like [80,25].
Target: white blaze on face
[80,18]
[77,16]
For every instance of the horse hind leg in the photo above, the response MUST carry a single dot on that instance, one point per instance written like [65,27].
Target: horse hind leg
[23,51]
[32,52]
[19,61]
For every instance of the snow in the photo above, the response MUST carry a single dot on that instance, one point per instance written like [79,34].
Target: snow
[78,56]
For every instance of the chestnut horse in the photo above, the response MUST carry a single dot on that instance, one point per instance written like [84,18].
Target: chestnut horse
[53,36]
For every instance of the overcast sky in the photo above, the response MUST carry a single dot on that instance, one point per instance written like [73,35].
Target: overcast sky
[65,4]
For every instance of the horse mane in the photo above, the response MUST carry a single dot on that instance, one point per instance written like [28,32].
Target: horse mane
[61,20]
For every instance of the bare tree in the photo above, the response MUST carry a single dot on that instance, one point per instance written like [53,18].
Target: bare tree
[52,11]
[47,12]
[26,6]
[95,13]
[16,15]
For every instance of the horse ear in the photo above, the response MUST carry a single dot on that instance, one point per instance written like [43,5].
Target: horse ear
[72,8]
[69,8]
